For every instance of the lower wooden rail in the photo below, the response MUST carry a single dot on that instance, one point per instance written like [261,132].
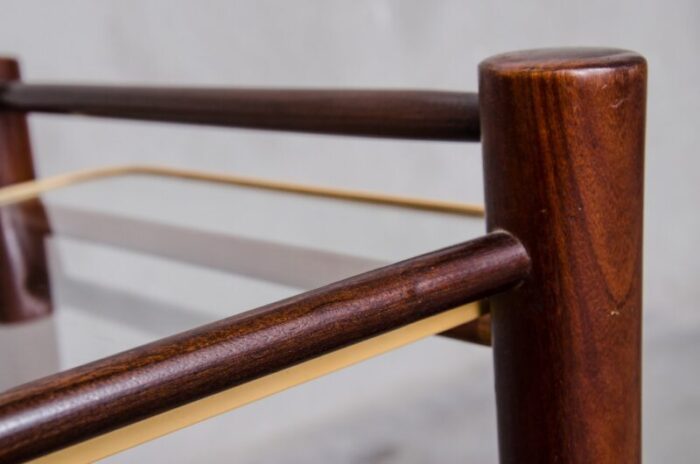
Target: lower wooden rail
[219,403]
[97,398]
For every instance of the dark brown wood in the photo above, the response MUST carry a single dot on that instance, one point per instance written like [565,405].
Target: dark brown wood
[68,407]
[24,280]
[563,143]
[375,113]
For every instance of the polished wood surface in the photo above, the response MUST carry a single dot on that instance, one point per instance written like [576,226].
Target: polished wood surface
[24,281]
[563,144]
[409,114]
[93,399]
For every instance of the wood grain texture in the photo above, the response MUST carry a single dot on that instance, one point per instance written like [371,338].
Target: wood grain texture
[24,280]
[405,114]
[189,414]
[563,144]
[78,404]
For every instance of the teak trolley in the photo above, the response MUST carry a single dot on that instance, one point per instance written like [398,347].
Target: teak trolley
[559,273]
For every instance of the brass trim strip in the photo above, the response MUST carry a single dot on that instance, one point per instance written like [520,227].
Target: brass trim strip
[192,413]
[31,189]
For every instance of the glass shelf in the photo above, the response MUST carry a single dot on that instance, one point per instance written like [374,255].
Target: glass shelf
[136,258]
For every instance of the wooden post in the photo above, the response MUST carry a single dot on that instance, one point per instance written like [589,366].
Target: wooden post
[24,281]
[563,144]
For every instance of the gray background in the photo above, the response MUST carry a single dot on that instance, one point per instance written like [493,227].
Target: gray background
[383,44]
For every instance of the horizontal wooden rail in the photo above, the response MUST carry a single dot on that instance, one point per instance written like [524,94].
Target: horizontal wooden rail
[192,413]
[105,395]
[407,114]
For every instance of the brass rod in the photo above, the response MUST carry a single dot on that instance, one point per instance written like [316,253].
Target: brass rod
[27,190]
[236,397]
[204,361]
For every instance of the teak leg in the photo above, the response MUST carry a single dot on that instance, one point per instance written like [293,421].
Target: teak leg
[563,144]
[24,280]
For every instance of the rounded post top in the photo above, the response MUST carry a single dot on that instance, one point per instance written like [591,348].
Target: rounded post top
[9,69]
[561,59]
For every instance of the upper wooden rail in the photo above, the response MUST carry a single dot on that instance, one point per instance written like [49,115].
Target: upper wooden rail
[96,398]
[407,114]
